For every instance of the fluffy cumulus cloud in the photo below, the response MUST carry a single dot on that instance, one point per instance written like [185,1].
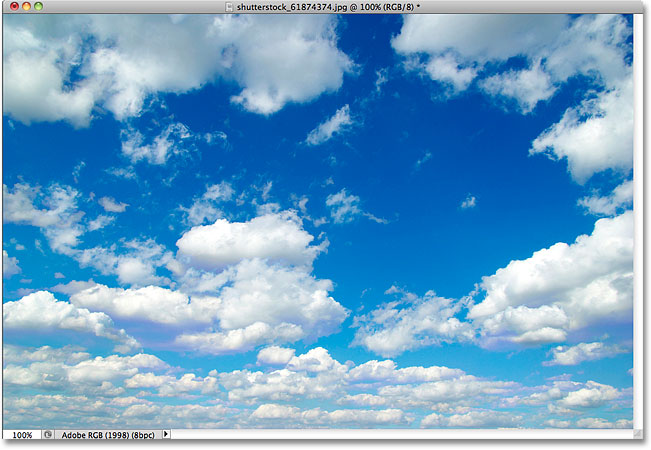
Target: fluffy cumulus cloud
[240,285]
[264,304]
[278,237]
[73,388]
[127,64]
[571,356]
[455,59]
[334,125]
[79,373]
[592,395]
[9,265]
[593,136]
[275,356]
[561,288]
[410,323]
[152,303]
[42,311]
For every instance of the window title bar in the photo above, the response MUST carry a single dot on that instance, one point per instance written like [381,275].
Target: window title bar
[317,7]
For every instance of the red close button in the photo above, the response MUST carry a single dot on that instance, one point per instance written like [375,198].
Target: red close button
[14,6]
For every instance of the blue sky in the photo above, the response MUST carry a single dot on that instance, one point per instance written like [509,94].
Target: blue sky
[318,221]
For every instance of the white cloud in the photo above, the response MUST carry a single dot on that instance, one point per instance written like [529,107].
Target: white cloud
[527,87]
[345,208]
[9,265]
[127,173]
[386,372]
[316,360]
[110,205]
[73,287]
[68,354]
[263,304]
[172,140]
[469,202]
[100,222]
[561,288]
[275,356]
[457,59]
[78,373]
[249,304]
[571,356]
[594,136]
[621,197]
[288,415]
[205,208]
[334,125]
[136,264]
[411,323]
[127,64]
[487,37]
[462,390]
[170,386]
[41,310]
[591,422]
[473,419]
[279,237]
[151,303]
[59,220]
[426,157]
[591,396]
[446,69]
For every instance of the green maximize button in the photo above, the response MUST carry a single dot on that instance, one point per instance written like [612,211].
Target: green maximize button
[38,6]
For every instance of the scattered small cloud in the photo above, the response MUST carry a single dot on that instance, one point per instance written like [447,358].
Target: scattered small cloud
[469,202]
[111,205]
[336,124]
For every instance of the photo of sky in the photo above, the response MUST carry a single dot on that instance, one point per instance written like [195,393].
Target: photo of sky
[318,221]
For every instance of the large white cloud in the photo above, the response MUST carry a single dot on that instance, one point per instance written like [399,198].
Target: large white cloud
[277,236]
[52,74]
[561,288]
[151,303]
[593,136]
[41,310]
[265,304]
[253,304]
